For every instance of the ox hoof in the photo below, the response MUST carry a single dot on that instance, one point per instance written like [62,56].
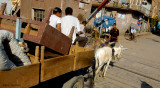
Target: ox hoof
[104,77]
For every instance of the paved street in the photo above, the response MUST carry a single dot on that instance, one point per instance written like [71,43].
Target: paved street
[138,68]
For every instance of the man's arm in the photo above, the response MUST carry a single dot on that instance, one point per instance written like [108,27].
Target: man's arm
[110,34]
[117,38]
[59,27]
[109,37]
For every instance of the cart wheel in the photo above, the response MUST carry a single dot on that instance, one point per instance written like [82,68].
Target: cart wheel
[75,82]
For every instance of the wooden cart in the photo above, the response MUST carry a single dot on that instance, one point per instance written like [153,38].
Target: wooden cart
[45,69]
[45,65]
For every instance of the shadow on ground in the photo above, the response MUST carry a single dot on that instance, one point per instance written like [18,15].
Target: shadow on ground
[145,85]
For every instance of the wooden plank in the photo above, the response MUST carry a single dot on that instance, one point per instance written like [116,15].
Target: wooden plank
[37,54]
[73,49]
[3,8]
[27,29]
[84,59]
[42,62]
[51,55]
[57,66]
[20,77]
[23,20]
[76,50]
[2,11]
[6,26]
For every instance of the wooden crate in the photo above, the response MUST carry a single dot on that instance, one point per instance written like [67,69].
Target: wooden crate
[20,77]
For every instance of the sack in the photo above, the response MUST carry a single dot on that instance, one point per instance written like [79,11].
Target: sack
[5,63]
[11,54]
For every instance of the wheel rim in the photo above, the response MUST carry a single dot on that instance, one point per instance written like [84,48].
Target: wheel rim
[78,84]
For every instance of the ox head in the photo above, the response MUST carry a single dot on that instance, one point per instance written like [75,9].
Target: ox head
[118,51]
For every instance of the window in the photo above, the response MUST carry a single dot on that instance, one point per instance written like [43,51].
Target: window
[123,1]
[136,2]
[38,14]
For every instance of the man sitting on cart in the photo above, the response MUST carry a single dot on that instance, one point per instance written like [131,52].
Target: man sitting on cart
[70,21]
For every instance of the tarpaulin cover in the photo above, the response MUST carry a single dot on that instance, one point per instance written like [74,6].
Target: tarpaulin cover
[106,21]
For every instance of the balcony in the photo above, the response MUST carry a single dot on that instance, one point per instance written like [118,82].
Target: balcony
[134,7]
[125,6]
[145,11]
[86,1]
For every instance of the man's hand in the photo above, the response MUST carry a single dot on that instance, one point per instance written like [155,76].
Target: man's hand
[80,32]
[117,40]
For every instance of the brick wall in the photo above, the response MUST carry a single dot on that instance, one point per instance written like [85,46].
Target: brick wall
[82,14]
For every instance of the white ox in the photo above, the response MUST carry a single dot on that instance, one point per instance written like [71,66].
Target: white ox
[103,56]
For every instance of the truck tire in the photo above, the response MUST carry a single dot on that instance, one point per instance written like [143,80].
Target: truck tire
[75,82]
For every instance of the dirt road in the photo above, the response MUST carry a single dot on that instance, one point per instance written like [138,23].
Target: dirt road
[139,66]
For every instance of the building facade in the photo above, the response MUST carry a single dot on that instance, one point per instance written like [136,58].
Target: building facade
[37,9]
[127,12]
[9,6]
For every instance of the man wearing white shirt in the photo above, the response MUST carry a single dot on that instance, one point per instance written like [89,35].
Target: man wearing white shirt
[70,21]
[55,20]
[133,32]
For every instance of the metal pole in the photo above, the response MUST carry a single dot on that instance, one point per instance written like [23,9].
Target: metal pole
[18,28]
[101,22]
[97,10]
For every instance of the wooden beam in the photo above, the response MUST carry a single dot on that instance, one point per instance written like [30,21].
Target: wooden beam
[76,49]
[47,17]
[42,62]
[37,54]
[3,8]
[2,11]
[27,29]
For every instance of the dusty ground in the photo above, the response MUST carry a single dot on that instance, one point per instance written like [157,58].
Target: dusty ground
[138,68]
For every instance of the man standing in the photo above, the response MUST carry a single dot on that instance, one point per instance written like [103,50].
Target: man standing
[55,20]
[114,34]
[70,21]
